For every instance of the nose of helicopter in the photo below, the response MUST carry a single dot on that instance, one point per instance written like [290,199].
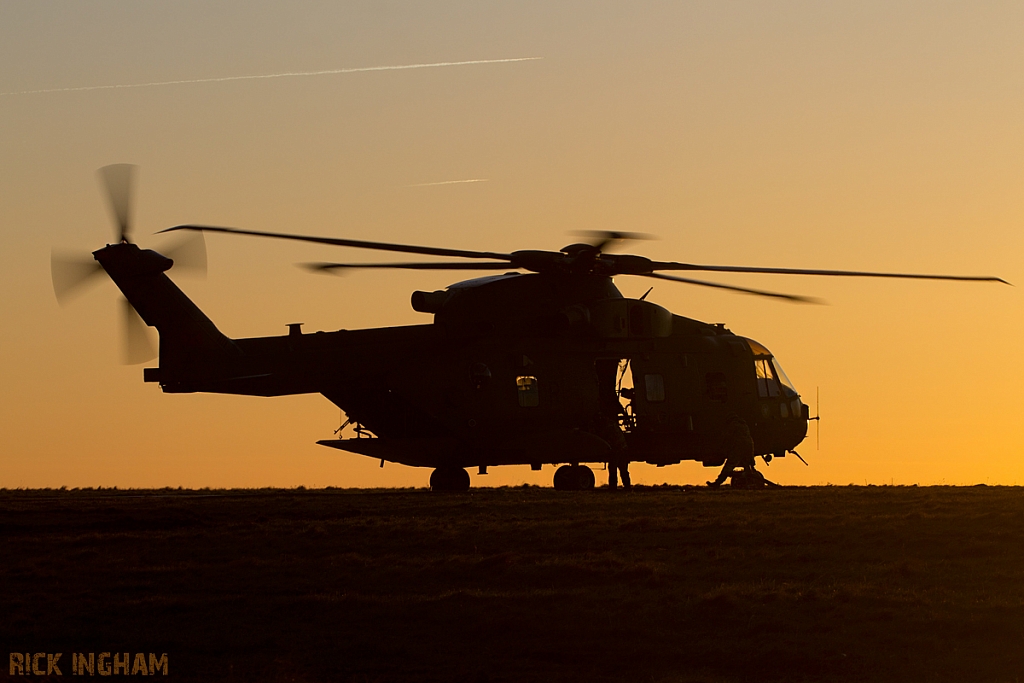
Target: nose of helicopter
[796,425]
[795,409]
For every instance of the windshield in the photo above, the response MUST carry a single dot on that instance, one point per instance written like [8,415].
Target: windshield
[780,375]
[771,379]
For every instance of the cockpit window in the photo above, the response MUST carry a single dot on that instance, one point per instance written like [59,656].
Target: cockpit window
[758,350]
[780,374]
[771,380]
[767,387]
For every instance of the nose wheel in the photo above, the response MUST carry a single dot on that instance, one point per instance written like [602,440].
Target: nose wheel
[574,478]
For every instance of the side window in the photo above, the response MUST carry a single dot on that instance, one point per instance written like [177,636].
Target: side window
[529,394]
[655,385]
[718,390]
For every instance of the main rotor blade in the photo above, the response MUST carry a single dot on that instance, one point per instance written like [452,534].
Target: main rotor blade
[411,266]
[70,273]
[188,253]
[118,180]
[138,345]
[745,290]
[600,239]
[358,244]
[671,265]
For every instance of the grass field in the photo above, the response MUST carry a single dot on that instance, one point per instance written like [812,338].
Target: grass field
[525,584]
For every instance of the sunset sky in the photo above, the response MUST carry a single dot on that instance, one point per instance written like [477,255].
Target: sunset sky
[848,134]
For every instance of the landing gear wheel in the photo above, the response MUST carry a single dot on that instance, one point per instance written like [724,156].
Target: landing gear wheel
[574,478]
[564,479]
[585,478]
[449,479]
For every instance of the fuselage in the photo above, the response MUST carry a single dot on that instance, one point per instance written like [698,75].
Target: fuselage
[514,369]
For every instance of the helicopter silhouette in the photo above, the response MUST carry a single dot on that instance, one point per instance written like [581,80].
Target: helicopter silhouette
[523,367]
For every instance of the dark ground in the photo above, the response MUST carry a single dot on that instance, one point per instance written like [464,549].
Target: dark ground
[656,584]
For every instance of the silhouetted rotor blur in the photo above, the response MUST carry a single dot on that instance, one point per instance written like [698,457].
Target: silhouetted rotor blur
[478,265]
[671,265]
[72,272]
[339,242]
[580,259]
[138,344]
[601,240]
[743,290]
[119,180]
[188,254]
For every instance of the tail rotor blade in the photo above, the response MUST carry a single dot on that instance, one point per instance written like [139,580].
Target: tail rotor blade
[188,253]
[138,345]
[118,180]
[70,273]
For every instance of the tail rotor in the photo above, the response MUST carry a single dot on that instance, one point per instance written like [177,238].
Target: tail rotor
[72,272]
[119,181]
[137,344]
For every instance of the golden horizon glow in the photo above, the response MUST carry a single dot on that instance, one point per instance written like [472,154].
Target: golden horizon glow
[868,136]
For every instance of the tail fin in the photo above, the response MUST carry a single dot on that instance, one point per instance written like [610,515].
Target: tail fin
[191,346]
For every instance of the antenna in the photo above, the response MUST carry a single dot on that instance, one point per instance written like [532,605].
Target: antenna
[817,420]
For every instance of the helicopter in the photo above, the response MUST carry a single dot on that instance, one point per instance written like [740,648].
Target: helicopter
[524,366]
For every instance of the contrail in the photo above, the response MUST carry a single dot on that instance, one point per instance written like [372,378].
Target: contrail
[450,182]
[290,74]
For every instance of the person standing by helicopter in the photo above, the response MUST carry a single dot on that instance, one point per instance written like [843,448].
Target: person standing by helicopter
[618,463]
[606,427]
[606,424]
[739,453]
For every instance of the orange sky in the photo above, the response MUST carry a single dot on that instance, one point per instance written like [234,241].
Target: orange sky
[863,135]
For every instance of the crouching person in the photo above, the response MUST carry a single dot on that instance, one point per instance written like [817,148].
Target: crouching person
[739,453]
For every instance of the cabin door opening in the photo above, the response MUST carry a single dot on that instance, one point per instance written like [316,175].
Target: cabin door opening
[615,390]
[625,393]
